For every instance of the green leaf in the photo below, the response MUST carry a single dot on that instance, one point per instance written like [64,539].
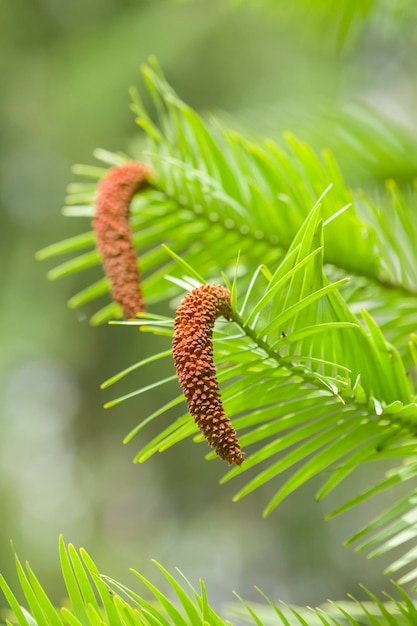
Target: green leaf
[13,603]
[134,367]
[113,617]
[189,607]
[169,607]
[73,586]
[68,245]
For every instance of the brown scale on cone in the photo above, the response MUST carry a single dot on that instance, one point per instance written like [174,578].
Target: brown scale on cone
[114,233]
[193,358]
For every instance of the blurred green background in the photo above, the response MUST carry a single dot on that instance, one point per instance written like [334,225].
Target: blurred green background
[65,72]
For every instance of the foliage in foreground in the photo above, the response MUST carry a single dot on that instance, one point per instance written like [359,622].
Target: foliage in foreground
[97,600]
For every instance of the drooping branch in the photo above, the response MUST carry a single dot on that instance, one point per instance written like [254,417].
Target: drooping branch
[193,358]
[114,234]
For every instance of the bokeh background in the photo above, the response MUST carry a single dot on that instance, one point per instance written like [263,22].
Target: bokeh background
[65,71]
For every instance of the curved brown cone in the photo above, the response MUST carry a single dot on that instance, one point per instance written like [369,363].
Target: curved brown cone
[193,358]
[114,234]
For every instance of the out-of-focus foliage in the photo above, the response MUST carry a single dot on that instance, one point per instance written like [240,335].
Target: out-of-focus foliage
[338,21]
[94,599]
[370,147]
